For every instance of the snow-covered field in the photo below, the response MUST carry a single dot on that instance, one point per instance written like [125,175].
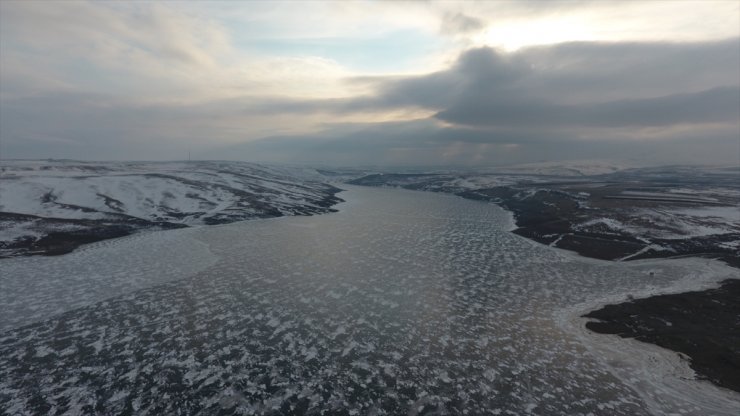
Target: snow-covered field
[673,224]
[68,196]
[401,303]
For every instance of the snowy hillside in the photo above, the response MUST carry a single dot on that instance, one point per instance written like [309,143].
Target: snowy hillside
[38,198]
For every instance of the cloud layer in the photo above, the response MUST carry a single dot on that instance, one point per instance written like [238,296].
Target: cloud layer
[658,100]
[437,82]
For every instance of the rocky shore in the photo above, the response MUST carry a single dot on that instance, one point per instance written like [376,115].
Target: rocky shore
[702,325]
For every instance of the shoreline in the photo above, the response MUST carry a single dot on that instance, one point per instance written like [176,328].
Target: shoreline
[659,375]
[633,316]
[548,229]
[706,333]
[666,371]
[687,287]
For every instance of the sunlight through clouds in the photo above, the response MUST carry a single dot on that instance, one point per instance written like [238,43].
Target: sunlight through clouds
[135,79]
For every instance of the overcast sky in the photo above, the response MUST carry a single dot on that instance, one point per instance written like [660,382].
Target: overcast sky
[372,83]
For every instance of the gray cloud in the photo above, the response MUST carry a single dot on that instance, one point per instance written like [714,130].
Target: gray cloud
[459,23]
[671,102]
[579,84]
[584,71]
[425,143]
[716,105]
[562,84]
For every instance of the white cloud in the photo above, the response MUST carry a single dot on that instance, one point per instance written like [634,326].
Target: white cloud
[515,25]
[146,51]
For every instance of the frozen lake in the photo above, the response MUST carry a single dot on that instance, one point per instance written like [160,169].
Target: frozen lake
[402,303]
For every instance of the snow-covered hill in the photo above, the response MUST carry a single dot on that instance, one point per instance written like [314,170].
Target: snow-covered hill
[39,199]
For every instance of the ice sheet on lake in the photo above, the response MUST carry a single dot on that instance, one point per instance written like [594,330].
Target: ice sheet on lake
[402,303]
[35,288]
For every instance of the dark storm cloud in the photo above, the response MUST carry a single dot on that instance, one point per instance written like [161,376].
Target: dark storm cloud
[579,84]
[720,104]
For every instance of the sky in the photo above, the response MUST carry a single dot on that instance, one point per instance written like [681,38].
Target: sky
[372,83]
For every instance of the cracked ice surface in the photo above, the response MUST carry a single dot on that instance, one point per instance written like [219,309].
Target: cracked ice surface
[403,302]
